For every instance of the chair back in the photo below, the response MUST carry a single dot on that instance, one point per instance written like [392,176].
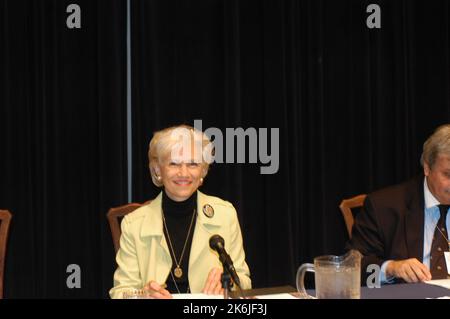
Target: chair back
[115,216]
[5,220]
[346,206]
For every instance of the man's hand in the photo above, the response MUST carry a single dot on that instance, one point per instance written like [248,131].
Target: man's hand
[213,285]
[156,291]
[410,270]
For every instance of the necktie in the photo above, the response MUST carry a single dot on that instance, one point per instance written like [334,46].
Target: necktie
[439,245]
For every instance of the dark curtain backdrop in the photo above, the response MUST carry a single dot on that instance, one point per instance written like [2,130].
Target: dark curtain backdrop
[353,106]
[62,142]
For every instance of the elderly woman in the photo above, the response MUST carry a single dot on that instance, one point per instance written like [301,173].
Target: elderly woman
[164,247]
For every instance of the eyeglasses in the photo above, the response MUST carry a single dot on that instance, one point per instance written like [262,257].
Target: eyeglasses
[136,294]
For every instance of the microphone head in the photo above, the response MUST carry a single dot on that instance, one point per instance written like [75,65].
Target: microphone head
[216,242]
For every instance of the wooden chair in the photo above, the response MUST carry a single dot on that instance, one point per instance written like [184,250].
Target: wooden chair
[115,216]
[346,207]
[5,219]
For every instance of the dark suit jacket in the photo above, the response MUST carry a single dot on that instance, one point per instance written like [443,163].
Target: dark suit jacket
[391,225]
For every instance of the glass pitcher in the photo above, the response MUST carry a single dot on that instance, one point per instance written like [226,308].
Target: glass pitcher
[336,277]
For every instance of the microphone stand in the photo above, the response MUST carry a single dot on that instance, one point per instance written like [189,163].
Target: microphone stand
[226,283]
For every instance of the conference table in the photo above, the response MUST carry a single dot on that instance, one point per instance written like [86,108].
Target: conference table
[393,291]
[405,291]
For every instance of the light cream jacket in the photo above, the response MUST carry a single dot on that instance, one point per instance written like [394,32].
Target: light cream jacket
[144,255]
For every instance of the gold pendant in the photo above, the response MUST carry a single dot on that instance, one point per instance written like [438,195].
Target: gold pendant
[178,272]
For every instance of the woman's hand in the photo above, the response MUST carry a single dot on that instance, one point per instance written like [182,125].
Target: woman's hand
[213,285]
[156,291]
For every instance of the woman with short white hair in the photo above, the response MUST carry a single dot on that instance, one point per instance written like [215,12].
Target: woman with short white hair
[164,246]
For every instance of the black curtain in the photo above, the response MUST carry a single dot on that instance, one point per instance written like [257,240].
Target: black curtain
[353,106]
[62,142]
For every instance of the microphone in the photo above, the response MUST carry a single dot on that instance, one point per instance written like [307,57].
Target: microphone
[217,243]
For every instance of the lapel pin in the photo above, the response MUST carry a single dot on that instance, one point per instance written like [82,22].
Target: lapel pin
[208,211]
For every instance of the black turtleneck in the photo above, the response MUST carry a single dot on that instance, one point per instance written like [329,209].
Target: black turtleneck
[178,217]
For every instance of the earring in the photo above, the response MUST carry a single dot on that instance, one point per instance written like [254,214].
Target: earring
[201,180]
[158,178]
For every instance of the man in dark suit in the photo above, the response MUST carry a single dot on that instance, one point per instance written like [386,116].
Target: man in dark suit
[403,228]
